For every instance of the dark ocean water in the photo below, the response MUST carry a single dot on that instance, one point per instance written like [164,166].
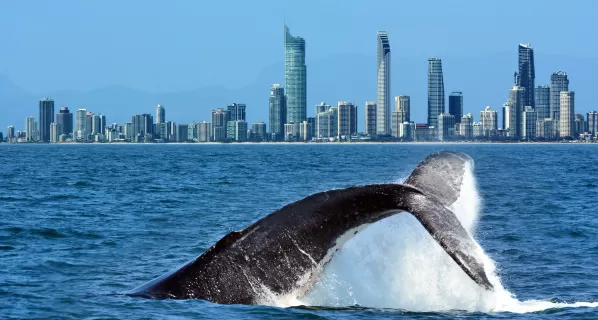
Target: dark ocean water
[80,221]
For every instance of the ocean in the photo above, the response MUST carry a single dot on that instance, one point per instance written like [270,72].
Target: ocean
[79,222]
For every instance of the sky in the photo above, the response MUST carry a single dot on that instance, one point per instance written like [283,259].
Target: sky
[168,46]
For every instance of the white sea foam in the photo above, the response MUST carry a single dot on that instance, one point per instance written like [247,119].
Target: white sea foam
[395,263]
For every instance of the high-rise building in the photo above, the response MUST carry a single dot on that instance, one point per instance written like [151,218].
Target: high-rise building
[488,122]
[446,126]
[592,122]
[237,111]
[291,131]
[403,106]
[466,126]
[65,120]
[295,77]
[30,129]
[259,131]
[347,118]
[506,115]
[435,91]
[529,119]
[542,100]
[567,112]
[383,84]
[558,83]
[160,114]
[142,127]
[220,118]
[192,132]
[305,131]
[237,130]
[80,132]
[278,115]
[46,117]
[527,74]
[516,96]
[580,125]
[370,118]
[326,123]
[203,131]
[322,107]
[546,129]
[182,133]
[96,124]
[10,132]
[55,130]
[456,104]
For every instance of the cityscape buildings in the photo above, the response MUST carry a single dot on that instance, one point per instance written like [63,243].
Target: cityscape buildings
[542,100]
[456,104]
[46,117]
[527,74]
[295,77]
[558,83]
[567,114]
[277,112]
[370,118]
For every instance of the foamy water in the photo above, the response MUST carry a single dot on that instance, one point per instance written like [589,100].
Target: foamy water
[395,263]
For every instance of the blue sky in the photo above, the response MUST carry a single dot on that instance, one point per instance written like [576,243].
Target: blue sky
[164,46]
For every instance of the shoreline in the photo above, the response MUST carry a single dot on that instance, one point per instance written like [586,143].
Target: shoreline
[309,143]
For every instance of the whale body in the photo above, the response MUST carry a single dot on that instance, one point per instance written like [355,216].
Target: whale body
[287,250]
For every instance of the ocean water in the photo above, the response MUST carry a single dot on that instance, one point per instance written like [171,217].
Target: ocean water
[78,222]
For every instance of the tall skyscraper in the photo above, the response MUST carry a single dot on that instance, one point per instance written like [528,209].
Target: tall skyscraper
[383,83]
[55,130]
[488,122]
[435,91]
[580,125]
[370,117]
[542,100]
[96,124]
[403,107]
[46,117]
[456,104]
[220,119]
[160,114]
[529,119]
[203,131]
[295,77]
[10,132]
[30,129]
[65,119]
[527,74]
[80,129]
[592,122]
[347,118]
[143,127]
[278,115]
[558,83]
[516,96]
[567,120]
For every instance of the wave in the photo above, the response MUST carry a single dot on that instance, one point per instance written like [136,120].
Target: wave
[396,264]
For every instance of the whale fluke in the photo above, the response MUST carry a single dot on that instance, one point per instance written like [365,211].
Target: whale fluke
[441,175]
[287,250]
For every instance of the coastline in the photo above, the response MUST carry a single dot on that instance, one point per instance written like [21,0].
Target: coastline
[313,143]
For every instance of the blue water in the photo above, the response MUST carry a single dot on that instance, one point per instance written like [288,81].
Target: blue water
[81,221]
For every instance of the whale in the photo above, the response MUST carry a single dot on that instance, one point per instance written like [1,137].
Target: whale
[286,251]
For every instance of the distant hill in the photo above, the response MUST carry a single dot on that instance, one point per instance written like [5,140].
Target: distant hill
[348,77]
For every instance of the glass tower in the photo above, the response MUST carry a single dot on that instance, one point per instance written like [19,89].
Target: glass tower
[456,105]
[383,89]
[277,112]
[46,117]
[435,91]
[542,99]
[527,74]
[558,83]
[295,77]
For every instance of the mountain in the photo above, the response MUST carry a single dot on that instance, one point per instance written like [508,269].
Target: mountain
[484,80]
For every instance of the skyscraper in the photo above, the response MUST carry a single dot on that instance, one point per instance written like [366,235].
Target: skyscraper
[466,126]
[326,123]
[516,96]
[160,114]
[488,122]
[567,120]
[542,100]
[347,118]
[592,122]
[435,91]
[383,83]
[580,125]
[527,74]
[456,104]
[278,115]
[259,131]
[219,124]
[370,117]
[237,111]
[558,83]
[46,117]
[403,107]
[10,132]
[30,129]
[80,132]
[65,119]
[203,131]
[295,77]
[446,126]
[529,119]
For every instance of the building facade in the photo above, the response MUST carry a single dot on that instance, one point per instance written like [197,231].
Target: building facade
[529,119]
[456,104]
[592,117]
[65,119]
[277,112]
[488,122]
[347,118]
[558,83]
[326,123]
[542,100]
[46,117]
[160,114]
[516,96]
[527,74]
[370,118]
[446,126]
[567,115]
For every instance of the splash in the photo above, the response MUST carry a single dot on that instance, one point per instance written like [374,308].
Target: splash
[395,263]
